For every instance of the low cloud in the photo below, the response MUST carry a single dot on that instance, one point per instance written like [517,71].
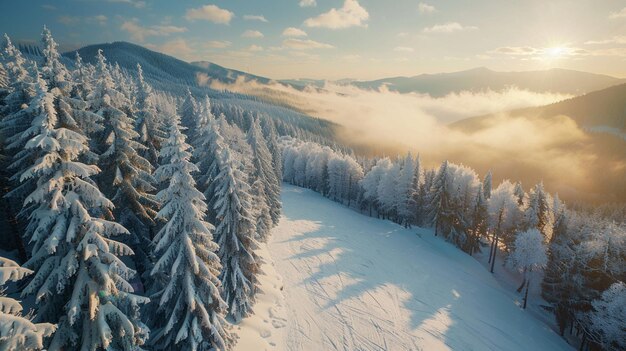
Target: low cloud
[219,44]
[527,148]
[618,39]
[134,3]
[294,32]
[352,14]
[210,13]
[305,44]
[449,27]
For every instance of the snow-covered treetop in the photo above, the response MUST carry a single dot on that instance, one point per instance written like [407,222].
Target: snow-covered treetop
[530,252]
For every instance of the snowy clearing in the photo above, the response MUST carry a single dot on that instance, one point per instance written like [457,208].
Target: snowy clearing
[357,283]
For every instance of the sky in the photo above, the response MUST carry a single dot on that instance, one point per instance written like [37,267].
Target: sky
[336,39]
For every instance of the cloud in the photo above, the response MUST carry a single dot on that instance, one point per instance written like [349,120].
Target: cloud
[515,50]
[48,7]
[255,48]
[403,49]
[135,3]
[177,47]
[100,19]
[619,14]
[560,52]
[618,39]
[425,8]
[139,33]
[389,122]
[210,13]
[350,15]
[252,34]
[255,18]
[449,27]
[69,20]
[308,3]
[302,44]
[293,32]
[219,44]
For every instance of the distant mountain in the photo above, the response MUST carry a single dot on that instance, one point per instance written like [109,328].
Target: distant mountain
[478,79]
[596,111]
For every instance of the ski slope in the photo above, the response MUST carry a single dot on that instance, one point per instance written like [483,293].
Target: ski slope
[339,280]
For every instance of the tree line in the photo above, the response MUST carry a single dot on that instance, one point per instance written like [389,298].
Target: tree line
[136,214]
[582,255]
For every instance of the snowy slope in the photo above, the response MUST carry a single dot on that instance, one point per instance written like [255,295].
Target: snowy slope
[357,283]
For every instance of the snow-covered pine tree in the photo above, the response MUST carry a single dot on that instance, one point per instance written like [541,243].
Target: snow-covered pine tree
[520,193]
[371,181]
[80,282]
[479,221]
[416,205]
[18,332]
[387,191]
[529,256]
[538,213]
[126,176]
[440,201]
[269,130]
[404,190]
[608,316]
[149,122]
[264,171]
[188,111]
[189,309]
[235,235]
[504,214]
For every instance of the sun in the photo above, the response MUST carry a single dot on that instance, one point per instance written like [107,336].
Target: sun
[556,52]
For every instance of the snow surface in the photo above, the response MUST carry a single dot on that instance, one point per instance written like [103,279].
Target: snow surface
[351,282]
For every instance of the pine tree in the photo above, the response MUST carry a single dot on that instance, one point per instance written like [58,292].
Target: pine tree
[387,191]
[520,193]
[529,256]
[404,190]
[235,235]
[18,332]
[269,130]
[503,217]
[190,311]
[80,282]
[440,201]
[127,176]
[487,186]
[189,111]
[149,123]
[539,212]
[264,172]
[479,222]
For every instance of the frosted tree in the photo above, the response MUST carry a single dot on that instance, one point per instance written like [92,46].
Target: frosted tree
[82,78]
[188,111]
[479,222]
[387,190]
[271,136]
[539,212]
[80,282]
[440,201]
[189,309]
[18,332]
[405,188]
[418,194]
[264,171]
[52,70]
[149,122]
[503,216]
[520,193]
[608,316]
[127,176]
[529,256]
[371,181]
[235,235]
[487,185]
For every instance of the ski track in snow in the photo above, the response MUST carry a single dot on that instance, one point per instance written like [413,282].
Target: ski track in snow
[338,280]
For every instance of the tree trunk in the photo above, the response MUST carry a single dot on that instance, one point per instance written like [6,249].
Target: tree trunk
[523,282]
[526,293]
[495,252]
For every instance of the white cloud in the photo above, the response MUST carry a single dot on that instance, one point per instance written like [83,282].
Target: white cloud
[177,47]
[100,19]
[618,39]
[219,44]
[210,13]
[255,48]
[255,18]
[139,33]
[350,15]
[449,27]
[403,49]
[135,3]
[425,8]
[48,7]
[252,34]
[308,3]
[69,20]
[619,14]
[515,50]
[294,32]
[302,44]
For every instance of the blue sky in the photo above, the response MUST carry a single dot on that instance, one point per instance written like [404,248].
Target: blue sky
[334,39]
